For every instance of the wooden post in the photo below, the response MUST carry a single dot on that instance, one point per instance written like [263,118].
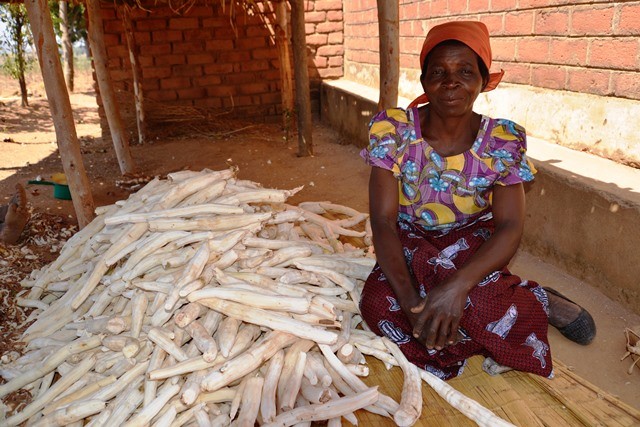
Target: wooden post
[111,110]
[60,106]
[282,44]
[389,27]
[137,74]
[301,72]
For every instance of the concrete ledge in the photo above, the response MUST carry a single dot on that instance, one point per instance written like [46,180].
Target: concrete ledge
[583,211]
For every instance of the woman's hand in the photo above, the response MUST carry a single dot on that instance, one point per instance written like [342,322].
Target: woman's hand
[437,317]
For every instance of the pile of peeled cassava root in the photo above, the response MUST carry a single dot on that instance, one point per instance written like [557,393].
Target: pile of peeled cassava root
[203,300]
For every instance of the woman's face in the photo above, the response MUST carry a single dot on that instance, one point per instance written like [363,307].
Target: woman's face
[452,79]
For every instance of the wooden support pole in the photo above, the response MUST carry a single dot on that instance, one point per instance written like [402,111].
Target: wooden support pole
[137,73]
[281,30]
[301,72]
[389,27]
[111,110]
[60,106]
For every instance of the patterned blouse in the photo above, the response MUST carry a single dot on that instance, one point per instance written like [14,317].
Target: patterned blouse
[444,193]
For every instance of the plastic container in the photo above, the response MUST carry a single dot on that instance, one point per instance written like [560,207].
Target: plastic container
[60,187]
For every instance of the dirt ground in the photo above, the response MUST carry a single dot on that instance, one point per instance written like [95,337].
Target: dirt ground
[335,173]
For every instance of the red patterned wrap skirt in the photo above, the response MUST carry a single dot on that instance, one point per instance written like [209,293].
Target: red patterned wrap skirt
[506,318]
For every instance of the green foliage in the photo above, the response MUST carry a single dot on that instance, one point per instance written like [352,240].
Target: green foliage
[75,16]
[16,40]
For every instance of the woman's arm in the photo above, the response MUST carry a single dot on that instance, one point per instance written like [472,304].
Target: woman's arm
[440,313]
[383,207]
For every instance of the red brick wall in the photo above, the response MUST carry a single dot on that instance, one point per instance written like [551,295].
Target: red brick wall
[582,46]
[200,60]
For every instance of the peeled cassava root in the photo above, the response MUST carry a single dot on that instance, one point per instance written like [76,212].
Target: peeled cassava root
[203,299]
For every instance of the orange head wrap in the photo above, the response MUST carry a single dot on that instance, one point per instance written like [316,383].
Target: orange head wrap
[472,33]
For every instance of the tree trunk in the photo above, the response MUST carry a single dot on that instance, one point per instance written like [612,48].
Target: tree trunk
[109,102]
[23,90]
[284,55]
[137,74]
[60,106]
[303,97]
[67,47]
[388,24]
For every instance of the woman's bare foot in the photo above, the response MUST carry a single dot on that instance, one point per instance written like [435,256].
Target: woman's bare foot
[16,217]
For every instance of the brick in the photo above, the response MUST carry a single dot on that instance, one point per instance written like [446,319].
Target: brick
[518,23]
[107,13]
[439,7]
[187,47]
[336,61]
[221,91]
[335,38]
[457,7]
[406,28]
[199,58]
[335,15]
[270,98]
[224,33]
[192,93]
[265,53]
[253,88]
[626,85]
[208,103]
[589,81]
[223,68]
[494,23]
[255,65]
[215,22]
[186,71]
[504,48]
[315,17]
[183,23]
[170,60]
[592,20]
[213,45]
[209,80]
[408,11]
[145,61]
[156,72]
[198,34]
[532,49]
[320,62]
[150,84]
[504,5]
[613,53]
[257,31]
[113,26]
[233,56]
[251,42]
[569,51]
[629,21]
[331,73]
[330,50]
[309,29]
[200,11]
[156,49]
[136,13]
[120,75]
[514,72]
[555,22]
[329,27]
[317,39]
[151,25]
[141,38]
[548,76]
[478,6]
[328,5]
[166,36]
[118,50]
[175,83]
[162,95]
[111,39]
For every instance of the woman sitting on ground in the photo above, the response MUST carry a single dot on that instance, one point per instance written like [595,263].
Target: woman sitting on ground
[447,211]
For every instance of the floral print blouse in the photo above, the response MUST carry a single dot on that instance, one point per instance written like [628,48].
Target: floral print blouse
[444,193]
